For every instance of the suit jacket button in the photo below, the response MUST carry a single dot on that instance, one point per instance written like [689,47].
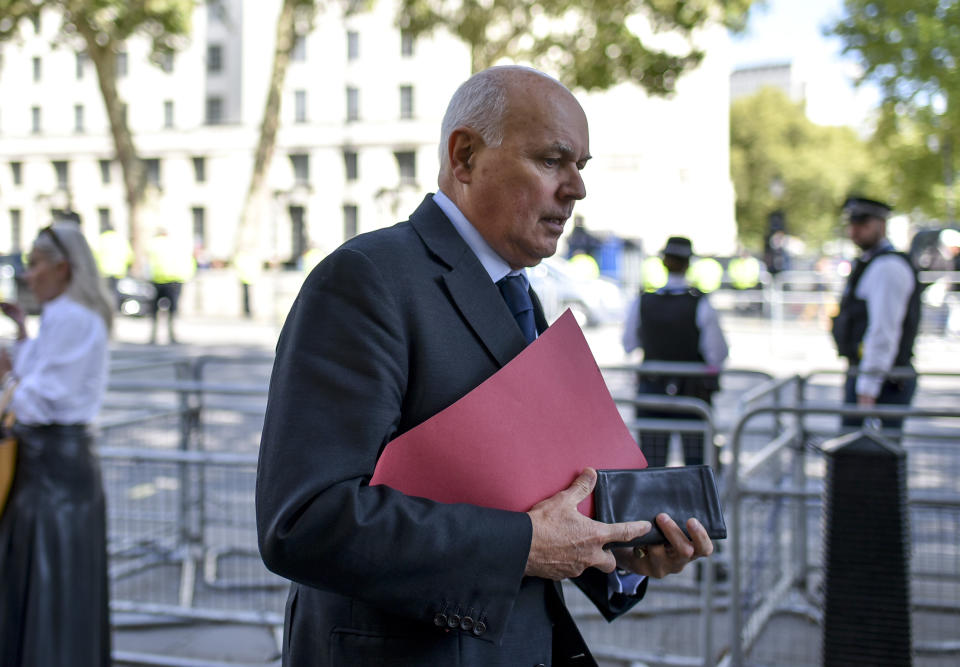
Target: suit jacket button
[440,619]
[479,628]
[466,623]
[453,620]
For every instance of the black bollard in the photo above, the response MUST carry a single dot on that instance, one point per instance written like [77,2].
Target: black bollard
[866,617]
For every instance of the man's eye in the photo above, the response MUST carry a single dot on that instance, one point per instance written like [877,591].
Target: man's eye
[551,161]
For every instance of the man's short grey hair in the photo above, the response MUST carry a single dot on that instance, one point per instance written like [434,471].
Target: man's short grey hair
[481,103]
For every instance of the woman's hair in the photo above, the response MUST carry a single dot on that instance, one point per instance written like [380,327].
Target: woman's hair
[480,103]
[86,286]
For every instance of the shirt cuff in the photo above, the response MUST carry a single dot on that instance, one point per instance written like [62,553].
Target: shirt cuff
[624,584]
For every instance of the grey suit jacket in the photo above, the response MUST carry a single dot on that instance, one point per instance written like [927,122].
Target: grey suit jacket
[388,330]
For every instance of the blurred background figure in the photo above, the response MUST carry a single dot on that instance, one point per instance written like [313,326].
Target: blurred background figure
[706,274]
[248,269]
[114,257]
[675,323]
[170,266]
[53,557]
[744,271]
[879,315]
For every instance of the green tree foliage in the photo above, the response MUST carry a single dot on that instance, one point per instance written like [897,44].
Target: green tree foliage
[911,49]
[591,45]
[771,140]
[99,28]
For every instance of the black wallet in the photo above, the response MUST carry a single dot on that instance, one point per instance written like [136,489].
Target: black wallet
[640,495]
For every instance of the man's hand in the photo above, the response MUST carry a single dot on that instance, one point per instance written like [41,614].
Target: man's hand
[565,542]
[663,559]
[866,401]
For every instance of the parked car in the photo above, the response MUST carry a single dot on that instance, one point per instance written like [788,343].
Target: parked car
[593,301]
[135,297]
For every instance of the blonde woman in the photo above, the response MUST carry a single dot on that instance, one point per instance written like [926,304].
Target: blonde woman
[53,563]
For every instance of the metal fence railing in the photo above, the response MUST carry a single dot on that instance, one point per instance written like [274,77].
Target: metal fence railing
[179,467]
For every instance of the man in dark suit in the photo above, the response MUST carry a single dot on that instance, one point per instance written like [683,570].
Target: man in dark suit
[388,330]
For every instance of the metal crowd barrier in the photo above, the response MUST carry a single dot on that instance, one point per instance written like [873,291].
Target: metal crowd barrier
[773,505]
[179,470]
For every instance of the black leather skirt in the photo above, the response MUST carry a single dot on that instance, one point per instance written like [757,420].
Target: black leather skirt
[54,603]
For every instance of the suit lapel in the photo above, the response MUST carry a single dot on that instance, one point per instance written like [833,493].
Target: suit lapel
[472,292]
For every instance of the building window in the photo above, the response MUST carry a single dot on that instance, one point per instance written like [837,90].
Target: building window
[214,110]
[199,216]
[350,164]
[103,214]
[16,172]
[407,164]
[353,45]
[121,64]
[37,68]
[298,53]
[166,62]
[152,168]
[200,169]
[16,228]
[406,43]
[214,58]
[105,172]
[350,216]
[406,102]
[80,64]
[35,120]
[78,118]
[301,168]
[123,112]
[61,167]
[168,114]
[35,20]
[300,106]
[353,104]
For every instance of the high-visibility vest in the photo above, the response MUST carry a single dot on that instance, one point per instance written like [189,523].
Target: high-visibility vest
[653,273]
[744,272]
[113,254]
[705,274]
[169,263]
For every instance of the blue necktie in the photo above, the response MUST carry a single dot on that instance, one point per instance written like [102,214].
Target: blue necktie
[518,301]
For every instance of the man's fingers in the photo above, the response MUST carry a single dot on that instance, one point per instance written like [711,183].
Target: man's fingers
[582,486]
[629,530]
[675,536]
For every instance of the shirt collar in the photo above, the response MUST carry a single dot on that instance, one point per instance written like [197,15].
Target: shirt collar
[883,246]
[676,281]
[494,264]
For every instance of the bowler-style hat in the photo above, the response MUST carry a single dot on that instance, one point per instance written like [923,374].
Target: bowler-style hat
[678,246]
[858,209]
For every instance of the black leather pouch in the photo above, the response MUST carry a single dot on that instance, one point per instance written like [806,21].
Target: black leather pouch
[640,495]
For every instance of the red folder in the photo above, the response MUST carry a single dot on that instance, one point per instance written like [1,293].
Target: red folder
[521,436]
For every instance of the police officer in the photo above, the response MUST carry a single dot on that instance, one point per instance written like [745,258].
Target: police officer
[675,323]
[114,257]
[879,314]
[171,265]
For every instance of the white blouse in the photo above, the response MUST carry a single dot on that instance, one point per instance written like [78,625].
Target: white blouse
[63,371]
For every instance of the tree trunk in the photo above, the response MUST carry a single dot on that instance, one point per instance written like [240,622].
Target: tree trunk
[104,58]
[254,205]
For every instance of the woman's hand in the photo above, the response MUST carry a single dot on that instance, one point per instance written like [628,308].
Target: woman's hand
[5,364]
[15,313]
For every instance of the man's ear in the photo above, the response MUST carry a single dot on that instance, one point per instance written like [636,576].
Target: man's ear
[462,147]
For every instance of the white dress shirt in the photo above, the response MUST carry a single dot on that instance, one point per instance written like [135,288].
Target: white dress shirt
[886,285]
[62,372]
[497,268]
[713,346]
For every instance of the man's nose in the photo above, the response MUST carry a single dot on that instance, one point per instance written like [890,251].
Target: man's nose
[573,186]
